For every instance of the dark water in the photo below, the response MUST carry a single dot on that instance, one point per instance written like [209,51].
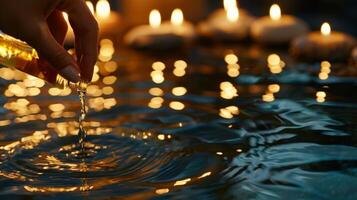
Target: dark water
[289,135]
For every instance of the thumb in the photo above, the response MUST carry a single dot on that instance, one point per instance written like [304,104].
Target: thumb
[49,49]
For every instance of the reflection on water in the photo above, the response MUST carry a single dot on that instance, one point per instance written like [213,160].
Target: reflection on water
[207,124]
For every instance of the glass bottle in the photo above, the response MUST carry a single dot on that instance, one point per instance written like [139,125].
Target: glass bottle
[17,54]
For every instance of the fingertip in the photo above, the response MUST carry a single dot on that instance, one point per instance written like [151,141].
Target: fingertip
[70,73]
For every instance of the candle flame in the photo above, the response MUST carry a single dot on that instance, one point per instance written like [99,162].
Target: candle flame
[177,17]
[232,14]
[325,29]
[275,12]
[90,6]
[155,18]
[229,4]
[103,9]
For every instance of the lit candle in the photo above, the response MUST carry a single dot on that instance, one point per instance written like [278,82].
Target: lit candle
[108,20]
[156,35]
[323,45]
[277,29]
[230,23]
[180,26]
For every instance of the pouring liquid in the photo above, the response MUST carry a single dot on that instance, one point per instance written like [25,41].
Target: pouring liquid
[17,54]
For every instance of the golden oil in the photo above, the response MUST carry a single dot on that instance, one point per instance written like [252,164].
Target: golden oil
[17,54]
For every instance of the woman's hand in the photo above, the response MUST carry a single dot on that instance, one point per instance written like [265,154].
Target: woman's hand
[41,24]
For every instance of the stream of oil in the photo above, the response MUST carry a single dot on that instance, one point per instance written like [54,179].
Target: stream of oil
[82,90]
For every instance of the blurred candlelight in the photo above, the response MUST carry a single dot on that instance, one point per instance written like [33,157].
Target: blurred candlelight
[177,18]
[231,8]
[275,12]
[102,9]
[325,29]
[229,4]
[108,20]
[324,45]
[155,19]
[232,14]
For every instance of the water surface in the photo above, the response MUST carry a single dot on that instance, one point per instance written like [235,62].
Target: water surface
[184,125]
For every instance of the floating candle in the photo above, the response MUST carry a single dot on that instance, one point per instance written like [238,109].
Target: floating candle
[181,27]
[277,29]
[108,20]
[230,23]
[167,35]
[324,45]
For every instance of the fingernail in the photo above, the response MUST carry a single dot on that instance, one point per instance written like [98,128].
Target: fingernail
[71,74]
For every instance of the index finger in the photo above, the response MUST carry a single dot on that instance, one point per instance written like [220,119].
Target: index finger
[85,28]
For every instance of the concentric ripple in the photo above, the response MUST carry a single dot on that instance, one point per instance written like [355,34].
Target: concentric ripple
[145,161]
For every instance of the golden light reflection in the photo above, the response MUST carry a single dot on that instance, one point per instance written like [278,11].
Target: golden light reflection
[228,91]
[156,91]
[100,103]
[176,105]
[325,70]
[57,189]
[158,66]
[182,182]
[275,12]
[94,91]
[110,66]
[275,64]
[34,91]
[54,91]
[162,191]
[5,122]
[180,64]
[161,137]
[27,142]
[321,96]
[157,77]
[205,175]
[106,50]
[274,88]
[155,18]
[268,97]
[18,89]
[157,74]
[102,9]
[325,29]
[233,70]
[56,107]
[177,18]
[180,68]
[23,107]
[229,112]
[179,91]
[7,73]
[156,102]
[32,81]
[108,90]
[109,80]
[231,59]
